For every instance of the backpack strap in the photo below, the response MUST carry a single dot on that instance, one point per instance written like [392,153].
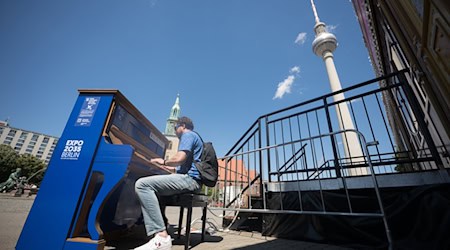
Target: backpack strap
[199,136]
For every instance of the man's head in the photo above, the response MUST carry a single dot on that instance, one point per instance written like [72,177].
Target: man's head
[184,123]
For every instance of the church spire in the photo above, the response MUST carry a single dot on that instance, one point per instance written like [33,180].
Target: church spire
[175,112]
[173,117]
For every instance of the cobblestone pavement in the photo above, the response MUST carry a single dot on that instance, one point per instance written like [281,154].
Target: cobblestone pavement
[14,210]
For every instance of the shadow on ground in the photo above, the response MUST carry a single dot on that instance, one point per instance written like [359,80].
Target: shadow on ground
[137,237]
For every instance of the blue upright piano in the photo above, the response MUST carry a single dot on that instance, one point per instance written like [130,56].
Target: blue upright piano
[88,188]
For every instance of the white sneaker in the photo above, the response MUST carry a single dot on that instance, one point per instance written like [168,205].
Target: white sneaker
[157,243]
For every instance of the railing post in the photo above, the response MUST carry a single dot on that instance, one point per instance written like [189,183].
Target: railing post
[267,144]
[225,183]
[261,178]
[333,140]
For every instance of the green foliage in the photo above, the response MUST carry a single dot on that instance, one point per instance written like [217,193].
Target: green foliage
[7,161]
[10,160]
[30,165]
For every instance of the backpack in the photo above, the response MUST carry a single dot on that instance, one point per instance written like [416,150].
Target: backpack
[208,166]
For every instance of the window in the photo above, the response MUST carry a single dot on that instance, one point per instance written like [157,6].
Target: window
[12,132]
[24,135]
[34,138]
[45,140]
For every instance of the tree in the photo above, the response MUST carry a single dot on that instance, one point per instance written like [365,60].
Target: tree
[8,159]
[30,165]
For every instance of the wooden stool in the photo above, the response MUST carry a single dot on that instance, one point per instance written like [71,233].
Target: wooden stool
[189,201]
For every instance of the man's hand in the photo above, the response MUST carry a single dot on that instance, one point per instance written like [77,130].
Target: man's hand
[170,169]
[157,161]
[160,163]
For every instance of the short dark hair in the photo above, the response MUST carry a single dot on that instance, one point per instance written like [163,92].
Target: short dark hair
[187,122]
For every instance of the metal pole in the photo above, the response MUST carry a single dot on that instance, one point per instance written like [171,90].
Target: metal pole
[333,140]
[377,191]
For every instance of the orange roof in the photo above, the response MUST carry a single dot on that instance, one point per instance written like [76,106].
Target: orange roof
[236,171]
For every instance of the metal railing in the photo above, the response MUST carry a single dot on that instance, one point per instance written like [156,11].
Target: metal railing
[383,109]
[227,196]
[298,148]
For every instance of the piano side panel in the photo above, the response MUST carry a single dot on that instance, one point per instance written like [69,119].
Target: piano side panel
[49,221]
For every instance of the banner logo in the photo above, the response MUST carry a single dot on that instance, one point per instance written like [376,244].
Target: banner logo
[87,111]
[72,150]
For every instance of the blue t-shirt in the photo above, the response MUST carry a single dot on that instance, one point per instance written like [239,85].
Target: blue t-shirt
[192,145]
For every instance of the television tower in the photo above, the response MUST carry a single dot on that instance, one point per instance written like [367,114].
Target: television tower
[323,46]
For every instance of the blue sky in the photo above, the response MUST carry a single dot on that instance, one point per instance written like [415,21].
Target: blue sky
[226,59]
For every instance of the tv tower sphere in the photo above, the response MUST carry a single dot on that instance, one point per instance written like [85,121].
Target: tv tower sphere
[324,40]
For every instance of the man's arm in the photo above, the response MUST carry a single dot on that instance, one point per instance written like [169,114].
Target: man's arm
[178,159]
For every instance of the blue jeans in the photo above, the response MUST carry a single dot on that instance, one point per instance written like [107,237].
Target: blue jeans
[149,188]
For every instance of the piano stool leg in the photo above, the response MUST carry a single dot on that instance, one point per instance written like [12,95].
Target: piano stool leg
[203,223]
[188,228]
[180,221]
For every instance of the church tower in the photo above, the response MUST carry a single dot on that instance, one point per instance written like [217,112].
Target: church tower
[170,129]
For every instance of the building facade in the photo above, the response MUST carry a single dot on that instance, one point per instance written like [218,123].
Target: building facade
[169,132]
[413,36]
[28,142]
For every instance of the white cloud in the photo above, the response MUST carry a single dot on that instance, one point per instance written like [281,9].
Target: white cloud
[330,28]
[284,87]
[294,70]
[301,38]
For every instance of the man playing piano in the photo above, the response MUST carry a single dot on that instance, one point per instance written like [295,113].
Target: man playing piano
[185,178]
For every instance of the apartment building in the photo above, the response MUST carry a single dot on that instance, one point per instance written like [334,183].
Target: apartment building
[28,142]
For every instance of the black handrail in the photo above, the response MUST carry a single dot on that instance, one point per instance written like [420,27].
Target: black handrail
[302,149]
